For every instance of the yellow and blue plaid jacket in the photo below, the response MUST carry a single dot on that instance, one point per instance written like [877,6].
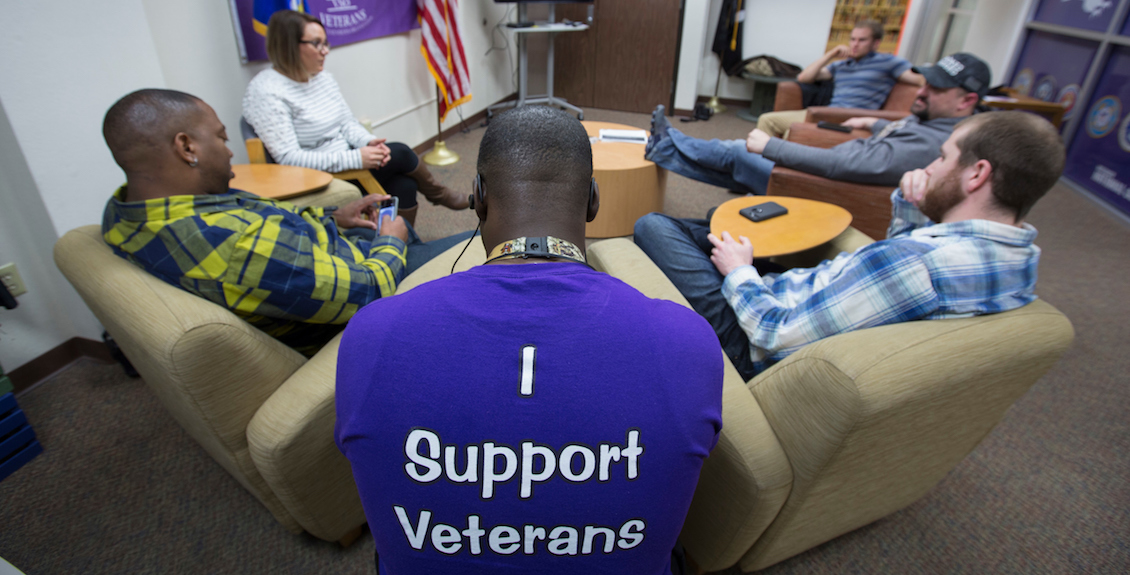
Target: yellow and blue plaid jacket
[286,270]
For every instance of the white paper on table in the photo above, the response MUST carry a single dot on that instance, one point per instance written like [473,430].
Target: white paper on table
[628,136]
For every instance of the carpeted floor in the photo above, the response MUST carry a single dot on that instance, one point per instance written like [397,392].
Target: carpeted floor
[122,489]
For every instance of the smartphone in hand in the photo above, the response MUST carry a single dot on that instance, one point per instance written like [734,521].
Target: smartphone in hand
[832,126]
[765,211]
[387,207]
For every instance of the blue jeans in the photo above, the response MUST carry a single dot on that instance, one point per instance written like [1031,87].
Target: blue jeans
[723,163]
[419,252]
[681,250]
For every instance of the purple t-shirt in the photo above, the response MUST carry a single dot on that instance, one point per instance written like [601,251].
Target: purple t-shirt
[531,418]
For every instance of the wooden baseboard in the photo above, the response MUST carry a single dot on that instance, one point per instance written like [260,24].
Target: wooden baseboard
[62,355]
[471,122]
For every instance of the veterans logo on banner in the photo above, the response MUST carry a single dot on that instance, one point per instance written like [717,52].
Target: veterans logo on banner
[346,21]
[1098,158]
[1045,88]
[1103,116]
[1067,97]
[1022,83]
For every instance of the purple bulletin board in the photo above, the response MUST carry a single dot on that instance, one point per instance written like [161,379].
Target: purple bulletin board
[1052,67]
[1099,157]
[1086,14]
[346,21]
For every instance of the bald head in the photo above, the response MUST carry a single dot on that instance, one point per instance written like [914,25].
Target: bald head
[139,128]
[536,156]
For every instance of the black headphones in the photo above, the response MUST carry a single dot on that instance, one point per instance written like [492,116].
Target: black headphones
[478,193]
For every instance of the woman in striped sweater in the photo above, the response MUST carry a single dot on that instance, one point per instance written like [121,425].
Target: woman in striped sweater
[298,111]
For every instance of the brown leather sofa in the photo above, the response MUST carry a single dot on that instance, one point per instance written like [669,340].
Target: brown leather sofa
[896,106]
[870,206]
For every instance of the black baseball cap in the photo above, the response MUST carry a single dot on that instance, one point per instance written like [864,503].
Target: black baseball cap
[959,70]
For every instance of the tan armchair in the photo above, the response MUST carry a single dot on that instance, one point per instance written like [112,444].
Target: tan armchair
[870,206]
[213,372]
[851,428]
[839,434]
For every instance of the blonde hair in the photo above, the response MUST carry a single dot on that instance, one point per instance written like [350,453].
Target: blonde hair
[284,35]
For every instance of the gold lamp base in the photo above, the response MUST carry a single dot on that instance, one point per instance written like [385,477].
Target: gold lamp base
[440,155]
[715,105]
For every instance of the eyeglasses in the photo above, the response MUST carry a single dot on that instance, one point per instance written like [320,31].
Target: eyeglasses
[316,44]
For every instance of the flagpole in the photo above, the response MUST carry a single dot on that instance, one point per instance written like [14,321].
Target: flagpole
[440,155]
[714,104]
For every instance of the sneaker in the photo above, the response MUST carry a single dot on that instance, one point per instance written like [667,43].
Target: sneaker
[659,127]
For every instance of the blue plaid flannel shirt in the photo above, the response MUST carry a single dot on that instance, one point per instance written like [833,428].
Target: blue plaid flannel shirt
[286,270]
[921,271]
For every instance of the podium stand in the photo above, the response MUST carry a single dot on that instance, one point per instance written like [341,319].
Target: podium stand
[552,28]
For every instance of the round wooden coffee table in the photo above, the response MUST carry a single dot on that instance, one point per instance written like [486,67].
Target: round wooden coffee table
[808,224]
[278,182]
[630,186]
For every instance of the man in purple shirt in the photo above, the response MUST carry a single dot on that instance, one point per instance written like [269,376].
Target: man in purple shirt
[530,415]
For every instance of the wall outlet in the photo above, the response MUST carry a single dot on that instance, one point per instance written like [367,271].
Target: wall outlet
[10,277]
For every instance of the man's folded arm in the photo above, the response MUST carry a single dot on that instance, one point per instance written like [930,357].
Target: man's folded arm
[905,216]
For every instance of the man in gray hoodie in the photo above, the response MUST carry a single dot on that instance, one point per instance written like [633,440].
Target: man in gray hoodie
[953,87]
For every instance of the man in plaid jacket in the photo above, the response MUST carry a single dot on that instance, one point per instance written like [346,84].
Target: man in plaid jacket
[298,274]
[957,246]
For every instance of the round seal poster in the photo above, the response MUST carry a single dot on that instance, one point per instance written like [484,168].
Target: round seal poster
[1103,116]
[1067,97]
[1124,134]
[1022,83]
[1045,88]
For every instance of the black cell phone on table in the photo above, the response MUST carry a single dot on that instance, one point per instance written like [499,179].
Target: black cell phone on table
[836,127]
[765,211]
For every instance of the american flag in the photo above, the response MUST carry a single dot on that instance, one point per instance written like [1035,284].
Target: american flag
[443,51]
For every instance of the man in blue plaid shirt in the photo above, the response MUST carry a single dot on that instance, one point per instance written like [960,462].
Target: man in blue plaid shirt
[957,246]
[296,273]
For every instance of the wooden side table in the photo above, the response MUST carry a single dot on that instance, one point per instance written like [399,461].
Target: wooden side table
[630,186]
[278,182]
[808,224]
[1053,111]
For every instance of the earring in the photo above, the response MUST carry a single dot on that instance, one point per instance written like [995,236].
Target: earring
[194,163]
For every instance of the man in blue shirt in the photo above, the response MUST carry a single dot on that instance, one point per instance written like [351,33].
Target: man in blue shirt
[953,87]
[957,246]
[863,80]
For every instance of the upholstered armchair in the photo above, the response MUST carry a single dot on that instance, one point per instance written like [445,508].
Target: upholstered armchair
[214,372]
[851,428]
[896,106]
[839,434]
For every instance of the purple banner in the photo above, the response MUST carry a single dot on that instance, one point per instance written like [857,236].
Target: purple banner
[1052,67]
[346,21]
[1086,14]
[1126,26]
[1099,158]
